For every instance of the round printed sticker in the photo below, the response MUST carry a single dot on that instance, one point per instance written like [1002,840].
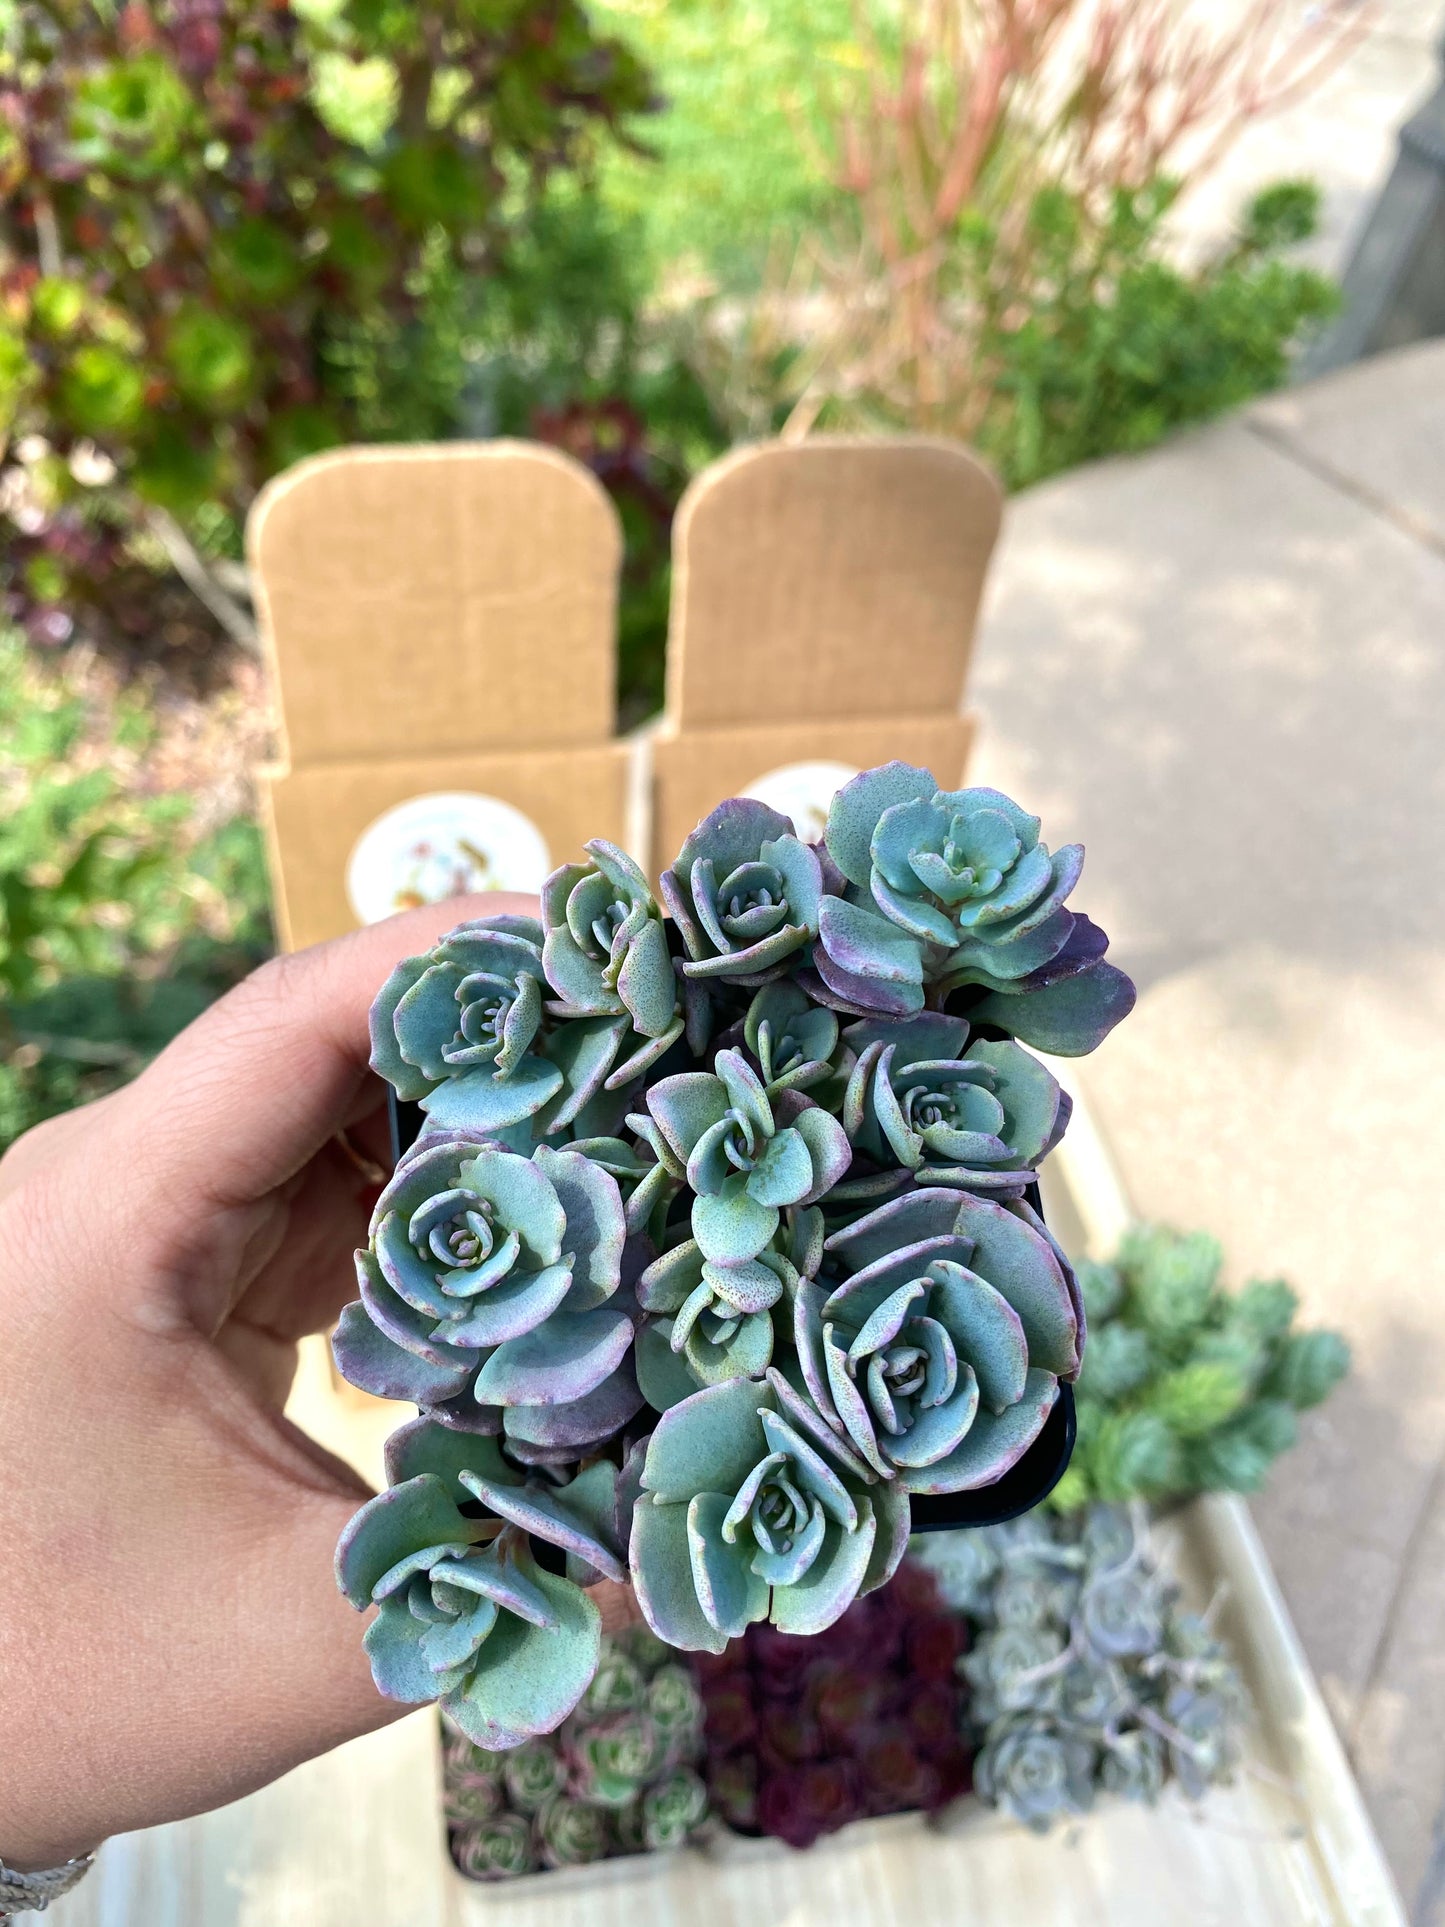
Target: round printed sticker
[435,846]
[803,791]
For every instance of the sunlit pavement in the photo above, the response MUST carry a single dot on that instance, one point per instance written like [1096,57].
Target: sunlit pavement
[1222,666]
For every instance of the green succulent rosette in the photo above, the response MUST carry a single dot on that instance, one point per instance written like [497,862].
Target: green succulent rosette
[673,1809]
[938,1354]
[745,1156]
[498,1848]
[572,1833]
[507,1647]
[675,1707]
[533,1774]
[485,1289]
[459,1030]
[924,1099]
[710,1322]
[613,1758]
[951,890]
[751,1510]
[744,893]
[605,951]
[795,1044]
[1037,1771]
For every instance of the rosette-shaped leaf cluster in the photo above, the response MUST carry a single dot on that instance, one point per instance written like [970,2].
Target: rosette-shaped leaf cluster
[937,1357]
[605,952]
[745,1156]
[951,890]
[507,1647]
[460,1029]
[1188,1387]
[485,1290]
[713,1322]
[617,1777]
[744,893]
[1084,1671]
[714,1249]
[749,1511]
[946,1110]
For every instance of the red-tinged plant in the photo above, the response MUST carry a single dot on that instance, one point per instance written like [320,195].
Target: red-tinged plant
[206,203]
[867,1721]
[1004,164]
[799,1807]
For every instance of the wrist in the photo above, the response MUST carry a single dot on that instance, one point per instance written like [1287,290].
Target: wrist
[32,1892]
[37,1851]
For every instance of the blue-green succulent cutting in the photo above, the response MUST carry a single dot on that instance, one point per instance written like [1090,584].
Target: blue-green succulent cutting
[714,1246]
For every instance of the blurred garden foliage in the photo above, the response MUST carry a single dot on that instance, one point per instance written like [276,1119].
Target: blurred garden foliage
[236,231]
[202,198]
[1186,1386]
[121,915]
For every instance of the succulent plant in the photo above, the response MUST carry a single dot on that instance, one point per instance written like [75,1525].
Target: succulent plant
[674,1705]
[499,1848]
[1104,1680]
[713,1250]
[745,1156]
[507,1647]
[613,1758]
[618,1686]
[951,890]
[721,1321]
[672,1809]
[605,951]
[465,1021]
[938,1356]
[793,1040]
[1038,1771]
[1134,1766]
[532,1775]
[570,1833]
[474,1786]
[488,1274]
[744,893]
[1188,1387]
[747,1512]
[922,1097]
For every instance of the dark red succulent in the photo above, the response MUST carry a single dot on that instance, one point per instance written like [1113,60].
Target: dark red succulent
[864,1718]
[799,1807]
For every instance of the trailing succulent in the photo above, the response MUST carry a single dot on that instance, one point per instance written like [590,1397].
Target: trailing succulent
[621,1774]
[1085,1671]
[1188,1387]
[714,1247]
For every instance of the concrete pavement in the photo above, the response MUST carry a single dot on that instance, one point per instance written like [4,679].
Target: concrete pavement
[1222,666]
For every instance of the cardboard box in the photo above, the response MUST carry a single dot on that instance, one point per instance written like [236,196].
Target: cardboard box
[823,607]
[442,627]
[442,624]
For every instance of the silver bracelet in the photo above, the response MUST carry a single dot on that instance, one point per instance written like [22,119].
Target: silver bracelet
[23,1893]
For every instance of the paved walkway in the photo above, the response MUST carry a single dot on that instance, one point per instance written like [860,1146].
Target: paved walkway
[1222,666]
[1341,135]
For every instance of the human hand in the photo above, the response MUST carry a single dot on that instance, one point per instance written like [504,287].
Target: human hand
[171,1636]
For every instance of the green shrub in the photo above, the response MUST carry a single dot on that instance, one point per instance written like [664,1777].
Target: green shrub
[1120,345]
[201,200]
[118,924]
[1187,1387]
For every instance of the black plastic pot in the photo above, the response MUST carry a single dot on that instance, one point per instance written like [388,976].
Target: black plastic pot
[1018,1491]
